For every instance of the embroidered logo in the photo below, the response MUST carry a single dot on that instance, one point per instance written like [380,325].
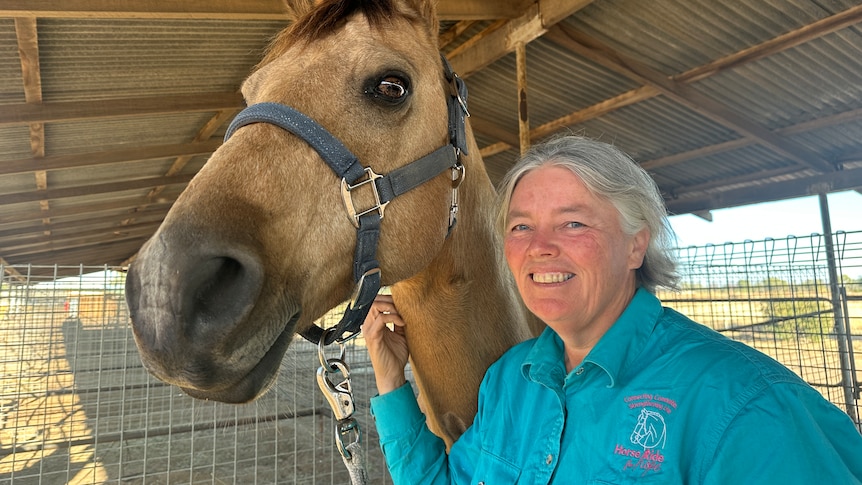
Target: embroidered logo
[651,431]
[648,438]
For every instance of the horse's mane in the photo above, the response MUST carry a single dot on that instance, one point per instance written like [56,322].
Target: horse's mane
[328,17]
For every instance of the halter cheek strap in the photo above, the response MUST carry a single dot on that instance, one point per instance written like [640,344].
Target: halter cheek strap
[366,268]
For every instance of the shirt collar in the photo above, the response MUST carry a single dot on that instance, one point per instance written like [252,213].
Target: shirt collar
[613,353]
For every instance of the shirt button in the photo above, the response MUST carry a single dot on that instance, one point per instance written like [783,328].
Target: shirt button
[579,371]
[549,459]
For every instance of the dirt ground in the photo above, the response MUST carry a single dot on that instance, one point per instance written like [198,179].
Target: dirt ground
[77,407]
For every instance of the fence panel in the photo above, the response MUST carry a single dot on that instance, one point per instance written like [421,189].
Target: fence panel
[76,405]
[781,297]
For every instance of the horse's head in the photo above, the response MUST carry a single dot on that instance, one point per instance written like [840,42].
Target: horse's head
[260,244]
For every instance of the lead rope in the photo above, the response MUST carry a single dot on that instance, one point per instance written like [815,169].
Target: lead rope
[340,398]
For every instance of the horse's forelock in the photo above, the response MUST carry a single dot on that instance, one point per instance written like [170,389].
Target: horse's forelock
[328,16]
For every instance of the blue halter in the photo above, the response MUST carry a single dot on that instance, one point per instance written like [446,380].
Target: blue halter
[366,268]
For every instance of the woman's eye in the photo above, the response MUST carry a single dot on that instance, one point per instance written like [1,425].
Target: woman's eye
[390,89]
[520,227]
[574,225]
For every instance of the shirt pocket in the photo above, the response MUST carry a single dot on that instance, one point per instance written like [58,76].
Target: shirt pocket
[493,470]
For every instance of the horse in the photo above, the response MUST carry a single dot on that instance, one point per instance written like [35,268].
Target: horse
[258,246]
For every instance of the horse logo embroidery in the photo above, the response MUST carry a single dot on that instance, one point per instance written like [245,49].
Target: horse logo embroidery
[650,431]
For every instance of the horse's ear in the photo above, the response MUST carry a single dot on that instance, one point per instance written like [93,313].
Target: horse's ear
[298,8]
[427,10]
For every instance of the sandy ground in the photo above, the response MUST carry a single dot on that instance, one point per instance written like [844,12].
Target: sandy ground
[77,407]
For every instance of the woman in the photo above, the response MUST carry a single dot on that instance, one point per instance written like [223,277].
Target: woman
[617,389]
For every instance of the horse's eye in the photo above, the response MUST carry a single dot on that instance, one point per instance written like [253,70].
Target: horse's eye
[389,89]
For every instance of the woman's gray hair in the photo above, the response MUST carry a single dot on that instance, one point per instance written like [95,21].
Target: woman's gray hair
[612,175]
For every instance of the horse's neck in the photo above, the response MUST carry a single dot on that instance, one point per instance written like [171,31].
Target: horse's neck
[461,312]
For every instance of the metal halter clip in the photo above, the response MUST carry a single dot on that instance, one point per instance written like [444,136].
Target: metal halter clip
[458,173]
[342,430]
[340,398]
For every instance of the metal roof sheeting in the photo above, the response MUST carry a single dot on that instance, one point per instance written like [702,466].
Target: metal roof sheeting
[701,92]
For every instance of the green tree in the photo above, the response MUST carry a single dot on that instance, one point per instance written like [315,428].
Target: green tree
[793,318]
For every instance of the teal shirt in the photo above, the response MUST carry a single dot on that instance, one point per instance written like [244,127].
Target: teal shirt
[659,399]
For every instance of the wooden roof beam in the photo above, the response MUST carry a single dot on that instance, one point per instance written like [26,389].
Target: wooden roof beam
[807,33]
[227,9]
[803,127]
[106,157]
[791,39]
[127,206]
[612,104]
[12,272]
[532,23]
[28,52]
[801,187]
[91,252]
[26,244]
[111,108]
[70,226]
[778,44]
[106,188]
[592,49]
[453,32]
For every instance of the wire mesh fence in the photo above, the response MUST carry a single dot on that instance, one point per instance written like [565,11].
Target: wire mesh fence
[797,299]
[76,405]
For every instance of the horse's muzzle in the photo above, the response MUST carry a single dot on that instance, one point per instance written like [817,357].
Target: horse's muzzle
[190,303]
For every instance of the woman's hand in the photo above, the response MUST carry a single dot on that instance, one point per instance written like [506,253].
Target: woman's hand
[387,348]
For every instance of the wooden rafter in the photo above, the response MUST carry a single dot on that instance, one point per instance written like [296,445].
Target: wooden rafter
[118,155]
[773,46]
[34,247]
[800,187]
[507,25]
[28,52]
[127,206]
[592,49]
[783,42]
[106,188]
[12,272]
[225,9]
[112,108]
[203,137]
[531,24]
[28,242]
[717,148]
[454,31]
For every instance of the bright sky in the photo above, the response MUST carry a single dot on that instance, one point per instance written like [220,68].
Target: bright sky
[797,217]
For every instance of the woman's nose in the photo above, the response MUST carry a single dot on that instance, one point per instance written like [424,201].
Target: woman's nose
[543,244]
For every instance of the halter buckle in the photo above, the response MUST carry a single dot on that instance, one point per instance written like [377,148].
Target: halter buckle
[357,289]
[457,85]
[346,196]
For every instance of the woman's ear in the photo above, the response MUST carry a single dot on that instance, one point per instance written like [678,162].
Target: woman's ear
[639,245]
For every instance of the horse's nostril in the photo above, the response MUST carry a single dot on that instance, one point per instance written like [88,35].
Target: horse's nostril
[220,293]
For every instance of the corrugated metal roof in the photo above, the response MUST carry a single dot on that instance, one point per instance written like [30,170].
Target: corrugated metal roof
[92,59]
[713,97]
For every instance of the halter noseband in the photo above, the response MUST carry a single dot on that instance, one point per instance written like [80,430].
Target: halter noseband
[366,269]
